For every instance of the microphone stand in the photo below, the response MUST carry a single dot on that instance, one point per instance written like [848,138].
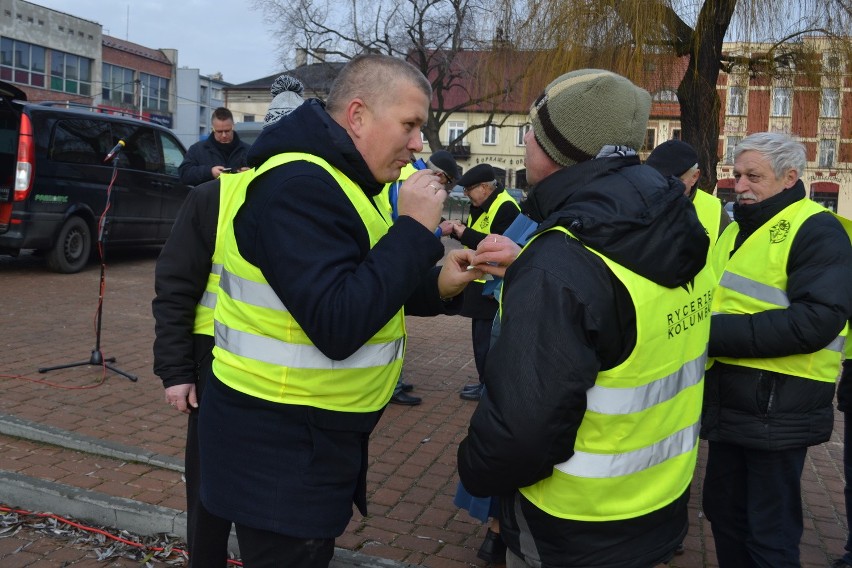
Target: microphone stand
[97,357]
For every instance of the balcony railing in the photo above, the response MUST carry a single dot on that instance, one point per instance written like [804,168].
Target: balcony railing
[459,151]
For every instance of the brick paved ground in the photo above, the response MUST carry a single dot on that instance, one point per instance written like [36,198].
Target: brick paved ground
[48,319]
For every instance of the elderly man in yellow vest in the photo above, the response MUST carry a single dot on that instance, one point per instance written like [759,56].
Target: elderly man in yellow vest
[777,333]
[588,427]
[492,210]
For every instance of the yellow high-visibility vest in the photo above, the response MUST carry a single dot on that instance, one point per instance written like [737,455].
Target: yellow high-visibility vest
[754,280]
[637,444]
[262,351]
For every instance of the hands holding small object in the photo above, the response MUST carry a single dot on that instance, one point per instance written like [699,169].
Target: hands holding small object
[494,254]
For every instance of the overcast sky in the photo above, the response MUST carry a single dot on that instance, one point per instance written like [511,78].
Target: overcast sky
[210,35]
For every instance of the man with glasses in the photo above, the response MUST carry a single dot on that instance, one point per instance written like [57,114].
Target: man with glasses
[220,153]
[492,210]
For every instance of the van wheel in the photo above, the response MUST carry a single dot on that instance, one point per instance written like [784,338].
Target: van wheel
[72,248]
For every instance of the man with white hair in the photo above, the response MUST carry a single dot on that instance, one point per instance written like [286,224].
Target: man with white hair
[776,337]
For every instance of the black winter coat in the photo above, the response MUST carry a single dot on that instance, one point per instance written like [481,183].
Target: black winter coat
[565,318]
[180,278]
[205,154]
[767,410]
[294,469]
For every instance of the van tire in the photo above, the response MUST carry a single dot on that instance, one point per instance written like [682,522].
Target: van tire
[73,246]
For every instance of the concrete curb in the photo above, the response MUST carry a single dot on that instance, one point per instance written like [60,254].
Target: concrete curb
[126,514]
[19,428]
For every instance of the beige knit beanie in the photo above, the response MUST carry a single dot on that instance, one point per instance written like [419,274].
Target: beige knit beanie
[582,111]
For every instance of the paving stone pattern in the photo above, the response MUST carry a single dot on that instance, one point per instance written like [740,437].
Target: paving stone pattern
[48,319]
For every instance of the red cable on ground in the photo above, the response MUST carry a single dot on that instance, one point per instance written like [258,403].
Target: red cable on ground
[95,530]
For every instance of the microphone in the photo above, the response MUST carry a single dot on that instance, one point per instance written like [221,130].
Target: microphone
[115,150]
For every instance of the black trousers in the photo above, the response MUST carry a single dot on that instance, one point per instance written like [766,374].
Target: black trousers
[753,500]
[264,549]
[480,332]
[206,534]
[847,489]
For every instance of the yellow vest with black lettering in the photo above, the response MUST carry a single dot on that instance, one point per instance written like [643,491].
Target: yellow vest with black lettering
[637,444]
[262,351]
[754,280]
[232,188]
[483,222]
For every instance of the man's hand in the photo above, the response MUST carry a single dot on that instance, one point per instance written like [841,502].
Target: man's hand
[217,171]
[494,254]
[182,397]
[454,274]
[446,228]
[422,197]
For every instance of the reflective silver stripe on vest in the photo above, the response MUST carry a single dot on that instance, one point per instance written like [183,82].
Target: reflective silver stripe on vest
[837,344]
[755,289]
[614,401]
[295,356]
[250,292]
[583,464]
[208,298]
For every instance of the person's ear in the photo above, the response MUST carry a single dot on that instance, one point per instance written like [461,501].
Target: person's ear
[791,176]
[356,115]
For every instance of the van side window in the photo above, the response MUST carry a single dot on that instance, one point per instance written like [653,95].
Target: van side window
[80,141]
[172,152]
[142,148]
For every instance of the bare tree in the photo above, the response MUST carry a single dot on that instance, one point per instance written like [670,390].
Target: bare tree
[461,46]
[633,36]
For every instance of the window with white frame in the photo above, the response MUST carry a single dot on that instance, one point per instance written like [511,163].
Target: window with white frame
[21,62]
[730,146]
[70,73]
[781,97]
[454,131]
[830,103]
[736,101]
[826,153]
[522,132]
[118,85]
[489,135]
[155,92]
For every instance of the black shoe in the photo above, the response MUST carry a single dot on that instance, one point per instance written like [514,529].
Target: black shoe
[405,387]
[474,386]
[492,550]
[405,399]
[840,563]
[679,550]
[472,394]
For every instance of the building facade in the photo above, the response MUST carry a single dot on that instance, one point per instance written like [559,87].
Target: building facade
[54,56]
[197,97]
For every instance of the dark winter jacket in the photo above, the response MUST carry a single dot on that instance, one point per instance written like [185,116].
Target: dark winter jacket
[844,389]
[476,305]
[180,278]
[565,318]
[767,410]
[205,154]
[291,469]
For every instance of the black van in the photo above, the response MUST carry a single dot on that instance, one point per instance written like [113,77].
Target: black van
[54,180]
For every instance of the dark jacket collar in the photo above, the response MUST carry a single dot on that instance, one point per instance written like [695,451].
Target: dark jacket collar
[752,217]
[627,212]
[310,129]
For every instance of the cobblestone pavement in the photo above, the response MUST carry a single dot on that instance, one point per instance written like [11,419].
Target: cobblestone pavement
[58,419]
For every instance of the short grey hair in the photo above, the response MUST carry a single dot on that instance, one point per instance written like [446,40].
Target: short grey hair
[372,77]
[783,152]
